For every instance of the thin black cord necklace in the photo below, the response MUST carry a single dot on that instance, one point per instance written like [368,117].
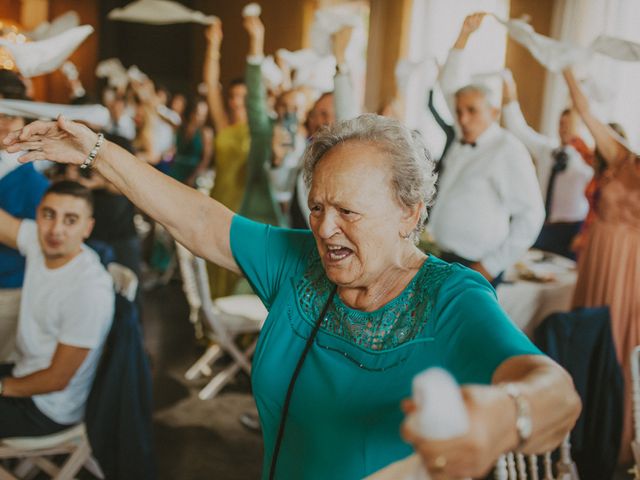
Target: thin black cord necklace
[292,382]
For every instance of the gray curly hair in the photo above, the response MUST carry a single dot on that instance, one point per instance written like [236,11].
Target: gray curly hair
[413,176]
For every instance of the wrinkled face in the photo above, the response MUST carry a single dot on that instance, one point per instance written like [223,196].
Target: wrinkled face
[322,114]
[474,114]
[568,127]
[9,124]
[355,217]
[64,222]
[237,94]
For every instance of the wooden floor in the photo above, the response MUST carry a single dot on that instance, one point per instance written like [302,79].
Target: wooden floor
[194,439]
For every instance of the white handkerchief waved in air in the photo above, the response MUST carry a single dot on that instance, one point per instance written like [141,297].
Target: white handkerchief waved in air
[426,70]
[326,23]
[440,414]
[115,73]
[617,48]
[159,12]
[96,115]
[251,10]
[311,70]
[46,56]
[553,54]
[60,24]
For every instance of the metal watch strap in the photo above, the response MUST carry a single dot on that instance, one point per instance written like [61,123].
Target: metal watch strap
[523,413]
[1,387]
[88,163]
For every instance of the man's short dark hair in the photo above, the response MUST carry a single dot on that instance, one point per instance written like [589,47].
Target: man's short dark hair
[11,86]
[73,189]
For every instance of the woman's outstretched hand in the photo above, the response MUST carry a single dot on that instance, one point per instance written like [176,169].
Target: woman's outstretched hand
[61,141]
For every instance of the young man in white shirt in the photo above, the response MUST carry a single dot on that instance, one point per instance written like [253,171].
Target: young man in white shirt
[66,311]
[563,173]
[488,210]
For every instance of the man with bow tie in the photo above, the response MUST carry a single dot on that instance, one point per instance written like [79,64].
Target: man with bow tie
[489,209]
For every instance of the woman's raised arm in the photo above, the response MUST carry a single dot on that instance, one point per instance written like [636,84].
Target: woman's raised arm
[612,147]
[195,220]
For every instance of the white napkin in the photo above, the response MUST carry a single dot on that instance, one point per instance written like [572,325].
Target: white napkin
[617,48]
[159,12]
[553,54]
[45,56]
[327,22]
[271,73]
[440,414]
[60,24]
[96,115]
[426,70]
[311,69]
[251,10]
[115,73]
[556,55]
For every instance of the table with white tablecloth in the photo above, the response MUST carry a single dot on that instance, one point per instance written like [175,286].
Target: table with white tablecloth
[529,302]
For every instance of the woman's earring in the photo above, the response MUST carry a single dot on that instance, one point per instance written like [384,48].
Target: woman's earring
[405,235]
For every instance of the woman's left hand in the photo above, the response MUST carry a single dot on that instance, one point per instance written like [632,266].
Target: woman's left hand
[491,432]
[60,141]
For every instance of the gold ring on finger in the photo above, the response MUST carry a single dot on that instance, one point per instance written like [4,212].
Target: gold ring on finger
[440,462]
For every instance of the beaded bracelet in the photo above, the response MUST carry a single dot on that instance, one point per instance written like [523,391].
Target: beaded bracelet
[88,163]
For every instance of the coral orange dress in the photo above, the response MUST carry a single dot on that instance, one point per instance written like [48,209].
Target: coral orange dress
[609,270]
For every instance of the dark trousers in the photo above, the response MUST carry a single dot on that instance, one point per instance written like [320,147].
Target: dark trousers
[557,238]
[19,417]
[451,257]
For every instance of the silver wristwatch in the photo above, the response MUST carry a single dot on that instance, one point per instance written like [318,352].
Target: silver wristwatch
[1,388]
[524,425]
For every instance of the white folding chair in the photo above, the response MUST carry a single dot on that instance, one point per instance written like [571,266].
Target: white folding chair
[33,452]
[225,319]
[516,466]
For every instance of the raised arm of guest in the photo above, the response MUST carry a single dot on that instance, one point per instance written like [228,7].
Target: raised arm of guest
[539,145]
[203,227]
[256,101]
[612,147]
[448,130]
[345,101]
[212,77]
[258,202]
[455,72]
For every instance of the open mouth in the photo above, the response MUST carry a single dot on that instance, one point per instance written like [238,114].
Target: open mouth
[337,253]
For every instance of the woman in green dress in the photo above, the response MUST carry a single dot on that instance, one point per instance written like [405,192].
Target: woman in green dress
[366,305]
[231,147]
[193,144]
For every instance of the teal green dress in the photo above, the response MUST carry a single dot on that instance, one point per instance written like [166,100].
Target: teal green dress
[344,417]
[188,155]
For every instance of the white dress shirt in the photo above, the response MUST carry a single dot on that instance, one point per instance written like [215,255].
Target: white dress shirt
[489,208]
[568,203]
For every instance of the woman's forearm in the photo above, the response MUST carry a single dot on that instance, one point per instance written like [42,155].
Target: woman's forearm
[607,141]
[193,219]
[554,403]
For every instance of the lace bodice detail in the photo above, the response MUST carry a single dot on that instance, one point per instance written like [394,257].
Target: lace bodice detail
[397,322]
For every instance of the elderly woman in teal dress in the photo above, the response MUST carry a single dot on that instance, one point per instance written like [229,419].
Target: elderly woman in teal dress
[366,305]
